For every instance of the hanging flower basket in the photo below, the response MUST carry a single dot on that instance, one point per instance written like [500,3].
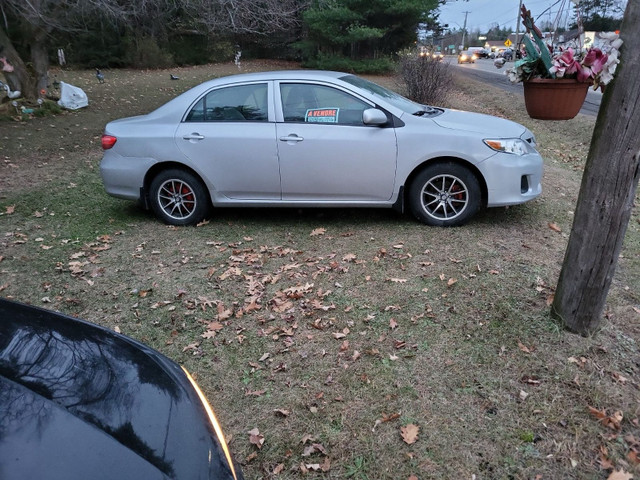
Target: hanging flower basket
[554,98]
[556,83]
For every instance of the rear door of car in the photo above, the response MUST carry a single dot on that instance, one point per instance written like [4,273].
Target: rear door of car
[229,135]
[326,152]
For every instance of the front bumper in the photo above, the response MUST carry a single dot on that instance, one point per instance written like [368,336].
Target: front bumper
[512,179]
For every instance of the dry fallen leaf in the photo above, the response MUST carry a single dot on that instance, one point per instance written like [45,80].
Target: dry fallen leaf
[531,380]
[349,257]
[409,433]
[318,231]
[578,361]
[554,227]
[398,280]
[10,209]
[620,475]
[610,421]
[314,448]
[604,461]
[523,347]
[256,438]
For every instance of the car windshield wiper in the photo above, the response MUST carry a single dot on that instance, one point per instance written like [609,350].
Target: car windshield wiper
[426,110]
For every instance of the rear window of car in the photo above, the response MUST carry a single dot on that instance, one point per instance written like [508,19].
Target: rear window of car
[240,103]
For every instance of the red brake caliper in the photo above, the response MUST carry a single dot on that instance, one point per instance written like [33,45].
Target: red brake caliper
[188,193]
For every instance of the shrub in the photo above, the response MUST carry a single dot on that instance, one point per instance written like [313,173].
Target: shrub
[47,108]
[424,79]
[344,64]
[144,52]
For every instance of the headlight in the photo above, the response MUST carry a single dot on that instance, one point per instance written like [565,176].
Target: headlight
[508,145]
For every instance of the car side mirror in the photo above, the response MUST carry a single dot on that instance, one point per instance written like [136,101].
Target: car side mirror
[373,116]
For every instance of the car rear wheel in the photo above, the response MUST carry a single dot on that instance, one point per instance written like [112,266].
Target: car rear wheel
[445,194]
[178,197]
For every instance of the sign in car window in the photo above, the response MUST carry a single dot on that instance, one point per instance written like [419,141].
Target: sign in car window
[322,115]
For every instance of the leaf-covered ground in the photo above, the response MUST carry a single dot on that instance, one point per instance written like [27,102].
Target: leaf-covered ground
[339,343]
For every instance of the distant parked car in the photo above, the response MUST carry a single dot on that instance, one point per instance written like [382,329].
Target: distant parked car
[467,57]
[311,139]
[507,54]
[78,401]
[479,52]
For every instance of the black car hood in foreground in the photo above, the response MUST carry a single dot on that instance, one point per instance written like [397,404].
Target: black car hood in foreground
[78,401]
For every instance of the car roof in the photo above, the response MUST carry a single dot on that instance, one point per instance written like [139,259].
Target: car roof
[282,75]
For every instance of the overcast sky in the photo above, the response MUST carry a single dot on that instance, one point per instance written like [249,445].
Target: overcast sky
[483,14]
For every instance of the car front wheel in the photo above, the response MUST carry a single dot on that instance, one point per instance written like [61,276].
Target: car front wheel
[178,197]
[445,194]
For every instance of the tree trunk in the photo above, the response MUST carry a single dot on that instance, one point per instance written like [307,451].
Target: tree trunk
[607,192]
[19,79]
[40,61]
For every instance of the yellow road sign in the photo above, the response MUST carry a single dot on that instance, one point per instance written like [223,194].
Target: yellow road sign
[508,42]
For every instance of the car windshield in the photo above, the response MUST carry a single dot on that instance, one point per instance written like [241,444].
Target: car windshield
[389,96]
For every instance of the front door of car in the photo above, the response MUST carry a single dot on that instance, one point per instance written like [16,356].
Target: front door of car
[228,138]
[326,152]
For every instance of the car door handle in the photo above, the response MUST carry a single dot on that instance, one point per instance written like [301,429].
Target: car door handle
[194,136]
[291,138]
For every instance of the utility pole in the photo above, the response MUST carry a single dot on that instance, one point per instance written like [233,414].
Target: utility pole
[517,45]
[464,29]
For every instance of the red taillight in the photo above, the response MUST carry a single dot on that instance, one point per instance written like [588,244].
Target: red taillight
[108,141]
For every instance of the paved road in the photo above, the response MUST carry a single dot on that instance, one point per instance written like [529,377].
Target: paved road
[485,71]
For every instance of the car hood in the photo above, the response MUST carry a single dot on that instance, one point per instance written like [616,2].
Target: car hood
[479,123]
[91,389]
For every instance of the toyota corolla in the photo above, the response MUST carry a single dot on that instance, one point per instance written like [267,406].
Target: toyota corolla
[316,139]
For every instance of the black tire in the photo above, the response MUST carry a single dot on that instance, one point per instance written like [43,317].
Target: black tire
[445,194]
[178,197]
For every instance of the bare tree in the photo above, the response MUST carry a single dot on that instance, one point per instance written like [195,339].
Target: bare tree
[247,16]
[607,192]
[37,20]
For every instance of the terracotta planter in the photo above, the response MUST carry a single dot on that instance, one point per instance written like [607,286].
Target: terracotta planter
[554,99]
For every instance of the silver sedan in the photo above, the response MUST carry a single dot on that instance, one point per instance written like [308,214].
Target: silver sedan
[313,138]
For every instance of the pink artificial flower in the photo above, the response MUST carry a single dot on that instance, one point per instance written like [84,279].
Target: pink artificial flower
[595,59]
[6,66]
[565,64]
[585,74]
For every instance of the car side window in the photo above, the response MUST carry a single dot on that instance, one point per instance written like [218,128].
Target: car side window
[309,103]
[242,103]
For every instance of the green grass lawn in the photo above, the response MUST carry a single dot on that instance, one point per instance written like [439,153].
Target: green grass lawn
[336,332]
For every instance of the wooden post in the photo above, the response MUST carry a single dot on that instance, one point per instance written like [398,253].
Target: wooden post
[607,192]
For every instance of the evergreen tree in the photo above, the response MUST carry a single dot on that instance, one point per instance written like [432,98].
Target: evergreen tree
[363,29]
[600,15]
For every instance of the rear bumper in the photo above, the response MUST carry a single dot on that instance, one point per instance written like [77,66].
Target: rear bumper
[123,177]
